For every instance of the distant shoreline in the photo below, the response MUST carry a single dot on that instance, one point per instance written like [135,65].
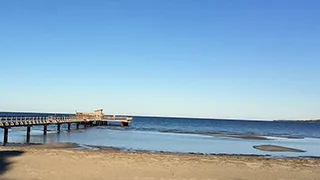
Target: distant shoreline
[310,121]
[7,113]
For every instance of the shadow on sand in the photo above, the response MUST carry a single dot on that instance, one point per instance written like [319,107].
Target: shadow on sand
[5,159]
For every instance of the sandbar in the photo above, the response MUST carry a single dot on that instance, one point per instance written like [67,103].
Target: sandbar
[243,136]
[275,148]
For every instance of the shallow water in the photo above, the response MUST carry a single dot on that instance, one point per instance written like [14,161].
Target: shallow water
[186,136]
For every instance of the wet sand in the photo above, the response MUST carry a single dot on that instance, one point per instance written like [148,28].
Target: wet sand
[240,136]
[58,161]
[277,148]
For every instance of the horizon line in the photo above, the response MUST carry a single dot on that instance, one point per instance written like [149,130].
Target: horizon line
[161,116]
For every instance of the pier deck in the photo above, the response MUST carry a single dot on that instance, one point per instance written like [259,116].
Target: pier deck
[12,121]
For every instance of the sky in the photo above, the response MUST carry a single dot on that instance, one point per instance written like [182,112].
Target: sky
[243,59]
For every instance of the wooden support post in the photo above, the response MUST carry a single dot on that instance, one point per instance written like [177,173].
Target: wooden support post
[78,124]
[58,127]
[45,127]
[124,123]
[28,134]
[69,126]
[5,136]
[105,123]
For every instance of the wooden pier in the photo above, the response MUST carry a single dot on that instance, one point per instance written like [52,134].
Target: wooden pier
[86,119]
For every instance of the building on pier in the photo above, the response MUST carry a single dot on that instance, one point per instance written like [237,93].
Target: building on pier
[97,115]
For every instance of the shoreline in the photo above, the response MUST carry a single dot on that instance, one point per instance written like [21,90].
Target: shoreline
[84,147]
[107,149]
[63,161]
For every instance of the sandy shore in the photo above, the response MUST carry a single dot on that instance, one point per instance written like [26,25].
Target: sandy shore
[57,162]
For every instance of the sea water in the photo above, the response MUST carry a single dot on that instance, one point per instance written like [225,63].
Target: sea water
[186,135]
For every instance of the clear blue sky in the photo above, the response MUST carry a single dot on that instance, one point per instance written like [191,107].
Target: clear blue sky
[222,59]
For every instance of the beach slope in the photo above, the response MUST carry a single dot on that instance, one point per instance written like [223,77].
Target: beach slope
[63,163]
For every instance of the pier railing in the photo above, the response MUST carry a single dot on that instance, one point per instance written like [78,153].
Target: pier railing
[37,120]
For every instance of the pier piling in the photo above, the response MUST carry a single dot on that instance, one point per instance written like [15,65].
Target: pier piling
[78,124]
[28,134]
[45,127]
[58,127]
[124,124]
[69,126]
[5,136]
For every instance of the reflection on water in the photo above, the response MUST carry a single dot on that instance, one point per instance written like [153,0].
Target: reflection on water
[129,139]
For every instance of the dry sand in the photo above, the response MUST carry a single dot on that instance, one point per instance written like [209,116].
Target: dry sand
[55,162]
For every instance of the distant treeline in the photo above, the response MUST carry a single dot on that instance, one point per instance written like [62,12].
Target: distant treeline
[310,121]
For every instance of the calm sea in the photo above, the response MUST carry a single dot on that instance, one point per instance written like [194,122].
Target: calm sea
[185,135]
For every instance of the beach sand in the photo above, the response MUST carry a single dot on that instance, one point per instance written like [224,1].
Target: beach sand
[53,162]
